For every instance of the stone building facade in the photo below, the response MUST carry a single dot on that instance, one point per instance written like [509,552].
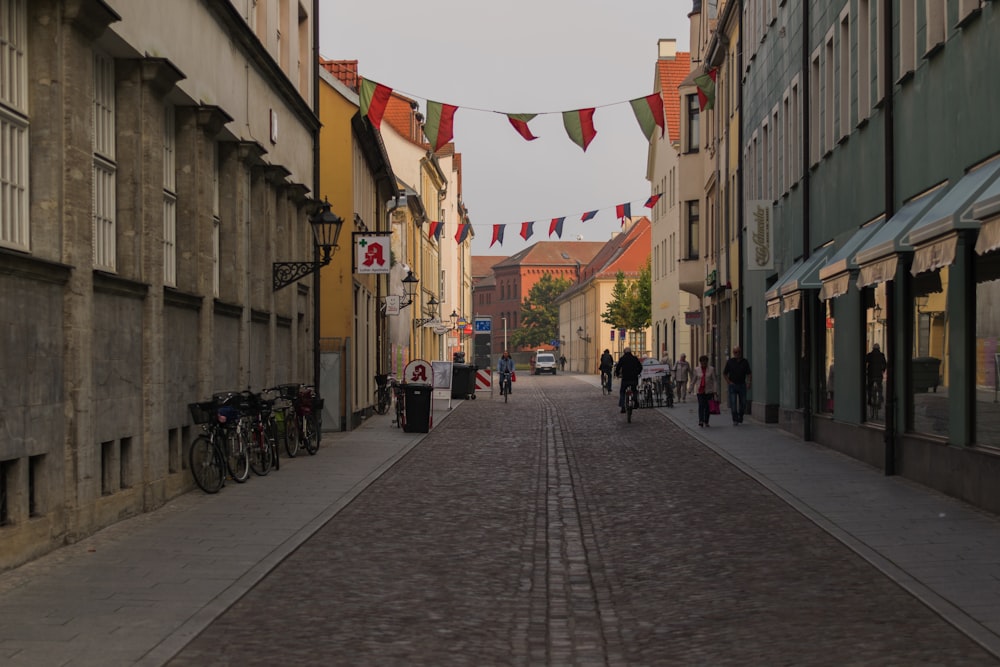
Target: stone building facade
[160,157]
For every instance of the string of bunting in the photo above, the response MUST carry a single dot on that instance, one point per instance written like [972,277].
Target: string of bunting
[579,123]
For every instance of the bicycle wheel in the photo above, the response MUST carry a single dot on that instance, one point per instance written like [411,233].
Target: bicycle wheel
[382,402]
[237,458]
[291,433]
[271,434]
[260,456]
[629,401]
[207,466]
[310,433]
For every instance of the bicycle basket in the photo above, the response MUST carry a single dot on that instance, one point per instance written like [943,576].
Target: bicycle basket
[228,415]
[289,391]
[201,413]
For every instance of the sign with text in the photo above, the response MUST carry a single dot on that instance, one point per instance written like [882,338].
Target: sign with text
[371,252]
[760,242]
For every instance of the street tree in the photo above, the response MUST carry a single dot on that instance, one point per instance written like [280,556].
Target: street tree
[539,322]
[630,306]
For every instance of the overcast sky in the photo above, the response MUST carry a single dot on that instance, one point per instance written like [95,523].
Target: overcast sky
[542,56]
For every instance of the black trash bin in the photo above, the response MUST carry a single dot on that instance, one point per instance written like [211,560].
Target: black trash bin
[417,411]
[463,381]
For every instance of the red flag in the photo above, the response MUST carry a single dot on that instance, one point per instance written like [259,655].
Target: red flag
[520,123]
[527,229]
[434,229]
[623,211]
[438,126]
[556,226]
[651,202]
[497,234]
[463,232]
[374,98]
[589,215]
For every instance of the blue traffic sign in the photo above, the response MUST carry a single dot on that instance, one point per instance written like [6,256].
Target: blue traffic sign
[484,325]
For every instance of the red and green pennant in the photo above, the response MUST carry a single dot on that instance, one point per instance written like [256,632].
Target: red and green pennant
[579,126]
[439,124]
[706,88]
[520,122]
[649,112]
[374,98]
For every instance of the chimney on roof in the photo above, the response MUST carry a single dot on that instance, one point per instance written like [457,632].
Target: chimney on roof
[667,49]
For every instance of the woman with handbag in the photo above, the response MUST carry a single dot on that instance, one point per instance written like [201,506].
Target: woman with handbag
[704,384]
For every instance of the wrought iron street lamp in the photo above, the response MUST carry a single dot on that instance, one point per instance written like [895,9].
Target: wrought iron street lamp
[410,283]
[431,310]
[326,227]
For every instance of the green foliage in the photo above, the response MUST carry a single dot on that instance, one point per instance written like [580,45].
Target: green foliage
[539,321]
[631,301]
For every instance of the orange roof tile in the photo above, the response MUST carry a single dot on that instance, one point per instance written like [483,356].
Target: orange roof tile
[345,70]
[671,73]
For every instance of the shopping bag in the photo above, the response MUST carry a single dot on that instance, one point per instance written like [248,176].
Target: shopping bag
[513,376]
[713,406]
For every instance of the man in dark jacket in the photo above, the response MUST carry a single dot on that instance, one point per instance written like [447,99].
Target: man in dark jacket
[737,376]
[628,368]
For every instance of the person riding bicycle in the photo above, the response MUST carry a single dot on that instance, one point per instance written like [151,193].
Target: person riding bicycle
[505,365]
[606,366]
[875,365]
[628,368]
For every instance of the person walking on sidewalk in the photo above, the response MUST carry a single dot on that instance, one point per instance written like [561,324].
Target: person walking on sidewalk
[628,368]
[703,384]
[737,376]
[682,375]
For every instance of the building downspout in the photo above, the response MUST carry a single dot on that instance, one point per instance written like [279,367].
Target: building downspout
[316,185]
[890,205]
[739,185]
[807,307]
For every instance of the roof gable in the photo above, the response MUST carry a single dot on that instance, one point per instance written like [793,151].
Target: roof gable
[671,73]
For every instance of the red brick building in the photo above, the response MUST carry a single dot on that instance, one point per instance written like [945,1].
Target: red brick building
[501,293]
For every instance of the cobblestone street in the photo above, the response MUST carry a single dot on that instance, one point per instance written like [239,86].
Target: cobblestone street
[547,531]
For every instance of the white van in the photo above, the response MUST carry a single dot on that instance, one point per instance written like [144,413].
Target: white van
[545,362]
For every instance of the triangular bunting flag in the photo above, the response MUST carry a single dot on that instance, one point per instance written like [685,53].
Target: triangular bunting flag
[651,202]
[623,211]
[463,232]
[438,126]
[433,229]
[527,229]
[556,226]
[374,98]
[706,88]
[589,215]
[579,126]
[649,112]
[497,234]
[520,122]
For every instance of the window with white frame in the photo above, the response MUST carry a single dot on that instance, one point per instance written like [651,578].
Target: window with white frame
[829,95]
[815,149]
[692,229]
[845,72]
[936,31]
[907,38]
[786,144]
[864,23]
[775,154]
[795,145]
[967,8]
[693,123]
[765,162]
[216,220]
[105,165]
[14,125]
[169,197]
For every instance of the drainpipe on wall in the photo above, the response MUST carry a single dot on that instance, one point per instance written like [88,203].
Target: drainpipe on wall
[807,309]
[890,199]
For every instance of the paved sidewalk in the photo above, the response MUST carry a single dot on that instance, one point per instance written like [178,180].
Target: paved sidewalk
[943,551]
[138,591]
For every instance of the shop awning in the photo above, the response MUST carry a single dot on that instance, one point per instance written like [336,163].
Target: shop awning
[878,256]
[836,273]
[949,213]
[807,278]
[986,209]
[773,309]
[773,295]
[933,256]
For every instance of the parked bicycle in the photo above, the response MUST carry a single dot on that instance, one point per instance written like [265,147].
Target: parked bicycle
[218,450]
[260,437]
[383,393]
[301,420]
